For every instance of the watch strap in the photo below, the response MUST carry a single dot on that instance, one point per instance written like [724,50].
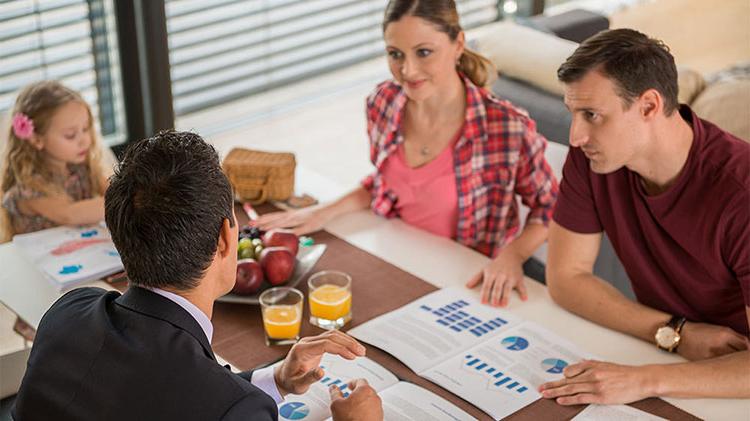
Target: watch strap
[676,323]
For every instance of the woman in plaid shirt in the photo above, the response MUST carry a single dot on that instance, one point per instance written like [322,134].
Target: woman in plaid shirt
[449,156]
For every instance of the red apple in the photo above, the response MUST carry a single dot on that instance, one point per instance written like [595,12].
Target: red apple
[277,263]
[281,238]
[249,277]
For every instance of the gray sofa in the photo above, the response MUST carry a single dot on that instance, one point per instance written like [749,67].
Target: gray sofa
[547,109]
[553,121]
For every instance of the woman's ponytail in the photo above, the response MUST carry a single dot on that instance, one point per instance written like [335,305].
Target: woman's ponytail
[477,68]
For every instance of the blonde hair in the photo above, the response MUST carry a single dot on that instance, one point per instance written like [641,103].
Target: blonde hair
[23,163]
[6,229]
[444,16]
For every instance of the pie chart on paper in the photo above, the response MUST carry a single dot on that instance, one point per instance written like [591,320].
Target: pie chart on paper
[554,365]
[515,343]
[294,411]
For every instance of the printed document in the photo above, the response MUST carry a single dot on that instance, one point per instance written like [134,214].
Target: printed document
[485,355]
[401,400]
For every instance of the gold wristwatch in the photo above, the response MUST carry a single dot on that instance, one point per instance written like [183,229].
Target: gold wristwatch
[668,336]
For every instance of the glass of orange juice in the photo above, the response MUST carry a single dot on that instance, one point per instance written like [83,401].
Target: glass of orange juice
[330,295]
[281,308]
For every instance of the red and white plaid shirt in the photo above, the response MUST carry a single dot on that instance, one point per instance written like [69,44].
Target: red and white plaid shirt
[498,155]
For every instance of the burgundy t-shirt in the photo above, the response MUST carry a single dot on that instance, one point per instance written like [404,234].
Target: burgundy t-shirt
[686,249]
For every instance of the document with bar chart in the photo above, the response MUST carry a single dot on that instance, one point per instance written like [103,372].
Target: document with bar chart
[401,400]
[427,331]
[501,375]
[490,358]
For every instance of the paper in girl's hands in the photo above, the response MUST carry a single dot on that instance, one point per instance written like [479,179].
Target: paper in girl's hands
[71,255]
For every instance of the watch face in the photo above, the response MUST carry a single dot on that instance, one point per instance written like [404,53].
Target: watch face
[666,337]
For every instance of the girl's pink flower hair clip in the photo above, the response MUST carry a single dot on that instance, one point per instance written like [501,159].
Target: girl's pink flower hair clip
[23,127]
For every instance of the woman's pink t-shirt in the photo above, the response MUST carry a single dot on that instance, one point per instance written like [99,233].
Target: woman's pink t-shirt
[427,195]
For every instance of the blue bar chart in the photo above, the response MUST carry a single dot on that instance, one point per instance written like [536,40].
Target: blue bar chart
[455,317]
[333,381]
[497,379]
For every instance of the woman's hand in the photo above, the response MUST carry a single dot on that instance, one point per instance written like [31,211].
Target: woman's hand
[301,221]
[500,277]
[311,219]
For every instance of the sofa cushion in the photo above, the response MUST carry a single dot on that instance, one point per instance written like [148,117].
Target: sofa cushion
[689,84]
[526,54]
[705,35]
[726,104]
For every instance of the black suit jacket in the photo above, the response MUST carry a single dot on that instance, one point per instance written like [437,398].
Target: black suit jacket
[139,356]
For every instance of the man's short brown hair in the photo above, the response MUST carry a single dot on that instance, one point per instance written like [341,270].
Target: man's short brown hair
[631,59]
[165,208]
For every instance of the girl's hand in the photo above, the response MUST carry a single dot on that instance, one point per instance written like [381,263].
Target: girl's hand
[301,221]
[500,277]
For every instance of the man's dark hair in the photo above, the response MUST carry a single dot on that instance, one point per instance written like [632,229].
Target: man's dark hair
[631,59]
[165,207]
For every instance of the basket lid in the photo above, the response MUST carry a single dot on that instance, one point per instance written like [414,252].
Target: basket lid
[241,156]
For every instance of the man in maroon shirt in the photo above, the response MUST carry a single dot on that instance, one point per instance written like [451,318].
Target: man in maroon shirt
[672,192]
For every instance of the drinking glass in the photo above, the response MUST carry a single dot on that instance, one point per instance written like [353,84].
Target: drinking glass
[282,314]
[330,296]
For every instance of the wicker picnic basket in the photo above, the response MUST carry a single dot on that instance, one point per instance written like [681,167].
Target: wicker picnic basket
[260,176]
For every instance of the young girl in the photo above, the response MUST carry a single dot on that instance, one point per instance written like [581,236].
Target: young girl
[51,170]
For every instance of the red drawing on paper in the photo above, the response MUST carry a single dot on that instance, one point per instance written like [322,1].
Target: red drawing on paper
[75,245]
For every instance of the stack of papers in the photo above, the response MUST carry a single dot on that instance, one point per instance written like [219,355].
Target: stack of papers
[68,256]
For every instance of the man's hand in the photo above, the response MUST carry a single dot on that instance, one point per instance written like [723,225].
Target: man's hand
[700,341]
[362,404]
[301,368]
[501,276]
[601,383]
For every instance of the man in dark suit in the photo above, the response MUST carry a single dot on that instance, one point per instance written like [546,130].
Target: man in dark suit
[146,354]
